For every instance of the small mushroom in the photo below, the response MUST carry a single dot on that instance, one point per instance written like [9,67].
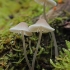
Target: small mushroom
[40,26]
[22,28]
[46,2]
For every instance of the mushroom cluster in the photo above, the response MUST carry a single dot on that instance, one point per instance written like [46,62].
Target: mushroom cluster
[40,26]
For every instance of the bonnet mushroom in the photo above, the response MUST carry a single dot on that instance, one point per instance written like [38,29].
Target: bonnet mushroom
[22,28]
[40,26]
[60,1]
[48,3]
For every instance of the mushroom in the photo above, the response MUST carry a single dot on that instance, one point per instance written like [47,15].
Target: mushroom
[48,3]
[60,1]
[40,26]
[22,28]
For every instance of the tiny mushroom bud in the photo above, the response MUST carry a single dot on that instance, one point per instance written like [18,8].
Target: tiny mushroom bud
[22,28]
[40,26]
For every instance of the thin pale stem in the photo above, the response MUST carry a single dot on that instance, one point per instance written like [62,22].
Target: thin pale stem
[52,33]
[44,11]
[55,44]
[34,57]
[30,47]
[25,55]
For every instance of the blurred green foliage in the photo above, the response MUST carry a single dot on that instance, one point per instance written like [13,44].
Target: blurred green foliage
[14,11]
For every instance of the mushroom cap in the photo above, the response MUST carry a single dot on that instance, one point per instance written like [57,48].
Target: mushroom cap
[48,3]
[41,25]
[21,27]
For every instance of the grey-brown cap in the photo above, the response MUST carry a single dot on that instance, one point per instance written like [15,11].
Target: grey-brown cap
[41,25]
[48,3]
[21,27]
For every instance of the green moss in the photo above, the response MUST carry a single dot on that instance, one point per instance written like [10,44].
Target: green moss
[12,12]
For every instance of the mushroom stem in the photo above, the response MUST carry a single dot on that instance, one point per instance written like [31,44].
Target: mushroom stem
[30,47]
[25,55]
[44,11]
[38,44]
[55,44]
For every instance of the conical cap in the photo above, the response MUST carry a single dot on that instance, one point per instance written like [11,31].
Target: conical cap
[41,25]
[48,3]
[21,27]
